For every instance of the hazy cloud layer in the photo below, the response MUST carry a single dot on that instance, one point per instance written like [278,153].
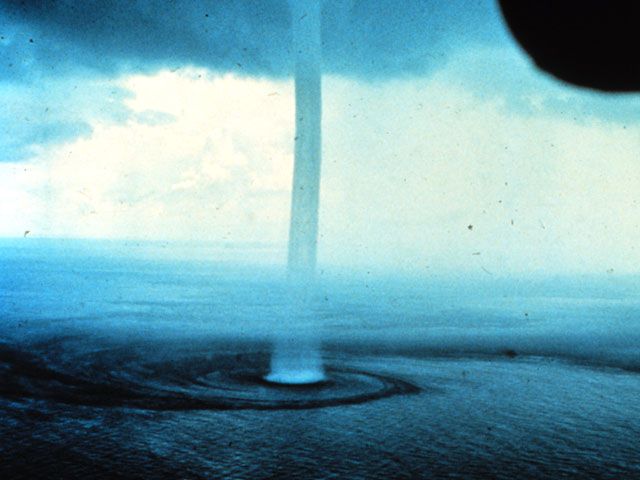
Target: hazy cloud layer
[409,166]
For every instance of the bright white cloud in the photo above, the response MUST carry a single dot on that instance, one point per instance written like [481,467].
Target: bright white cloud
[217,165]
[408,166]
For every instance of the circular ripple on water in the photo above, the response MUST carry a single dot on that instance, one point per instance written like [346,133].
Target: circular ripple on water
[222,382]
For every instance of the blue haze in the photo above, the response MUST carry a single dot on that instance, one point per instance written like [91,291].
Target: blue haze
[123,289]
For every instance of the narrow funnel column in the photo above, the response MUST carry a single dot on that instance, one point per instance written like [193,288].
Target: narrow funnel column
[303,233]
[296,357]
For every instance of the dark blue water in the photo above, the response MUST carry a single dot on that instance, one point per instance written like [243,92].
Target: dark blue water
[125,362]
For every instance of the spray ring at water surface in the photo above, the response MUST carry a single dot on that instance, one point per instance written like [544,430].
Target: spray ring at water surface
[195,382]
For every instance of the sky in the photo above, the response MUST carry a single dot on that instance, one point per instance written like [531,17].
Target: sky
[444,149]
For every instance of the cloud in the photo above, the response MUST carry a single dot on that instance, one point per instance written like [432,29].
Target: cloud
[217,166]
[59,110]
[371,38]
[57,56]
[409,165]
[502,72]
[60,60]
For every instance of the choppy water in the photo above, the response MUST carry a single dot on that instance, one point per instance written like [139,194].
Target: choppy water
[132,368]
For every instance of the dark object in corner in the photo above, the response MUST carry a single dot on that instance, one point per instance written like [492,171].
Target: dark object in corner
[590,43]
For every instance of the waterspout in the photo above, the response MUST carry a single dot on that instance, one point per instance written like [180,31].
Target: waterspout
[296,358]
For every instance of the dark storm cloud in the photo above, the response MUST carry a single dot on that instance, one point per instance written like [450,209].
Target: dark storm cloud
[58,58]
[365,38]
[56,54]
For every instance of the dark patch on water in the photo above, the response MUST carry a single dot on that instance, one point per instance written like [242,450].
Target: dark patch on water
[509,352]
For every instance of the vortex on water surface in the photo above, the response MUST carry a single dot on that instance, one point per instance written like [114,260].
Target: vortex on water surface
[195,382]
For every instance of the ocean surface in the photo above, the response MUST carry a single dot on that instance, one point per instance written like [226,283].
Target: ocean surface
[122,360]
